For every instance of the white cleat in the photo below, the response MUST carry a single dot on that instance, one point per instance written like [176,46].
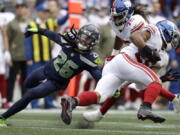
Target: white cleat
[93,116]
[176,103]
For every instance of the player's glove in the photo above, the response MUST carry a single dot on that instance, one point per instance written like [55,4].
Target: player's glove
[170,76]
[150,54]
[30,31]
[71,37]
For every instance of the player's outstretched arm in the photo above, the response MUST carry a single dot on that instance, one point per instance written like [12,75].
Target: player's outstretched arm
[68,38]
[50,34]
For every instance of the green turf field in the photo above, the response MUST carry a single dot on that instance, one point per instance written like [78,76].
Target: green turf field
[124,123]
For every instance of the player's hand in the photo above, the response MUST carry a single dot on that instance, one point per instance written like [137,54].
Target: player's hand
[170,76]
[30,31]
[150,54]
[71,37]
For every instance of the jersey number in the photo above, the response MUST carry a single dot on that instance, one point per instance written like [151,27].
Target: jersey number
[66,70]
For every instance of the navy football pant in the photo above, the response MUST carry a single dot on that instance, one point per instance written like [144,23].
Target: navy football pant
[37,87]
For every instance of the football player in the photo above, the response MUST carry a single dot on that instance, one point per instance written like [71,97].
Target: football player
[169,76]
[150,44]
[121,7]
[76,55]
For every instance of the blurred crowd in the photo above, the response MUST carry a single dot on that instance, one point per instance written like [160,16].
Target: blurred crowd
[20,56]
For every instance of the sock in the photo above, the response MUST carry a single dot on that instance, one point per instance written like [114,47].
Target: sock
[152,92]
[87,98]
[167,94]
[75,101]
[107,105]
[15,108]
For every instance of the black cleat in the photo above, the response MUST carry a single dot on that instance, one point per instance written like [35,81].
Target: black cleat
[146,113]
[68,104]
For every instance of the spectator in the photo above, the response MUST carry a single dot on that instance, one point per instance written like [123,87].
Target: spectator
[171,7]
[156,14]
[38,48]
[4,55]
[15,30]
[54,9]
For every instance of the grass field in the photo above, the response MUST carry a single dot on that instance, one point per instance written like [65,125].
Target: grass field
[115,123]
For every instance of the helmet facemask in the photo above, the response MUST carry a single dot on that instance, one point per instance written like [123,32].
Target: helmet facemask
[169,33]
[85,42]
[175,40]
[121,11]
[87,39]
[119,19]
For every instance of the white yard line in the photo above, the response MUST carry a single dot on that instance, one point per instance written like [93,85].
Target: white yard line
[138,125]
[99,130]
[80,111]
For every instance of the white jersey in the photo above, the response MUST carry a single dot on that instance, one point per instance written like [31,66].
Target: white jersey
[136,22]
[5,18]
[127,66]
[154,42]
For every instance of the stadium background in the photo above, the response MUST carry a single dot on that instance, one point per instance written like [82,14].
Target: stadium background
[35,121]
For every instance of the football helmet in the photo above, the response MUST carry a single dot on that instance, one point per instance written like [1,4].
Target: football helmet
[169,33]
[121,11]
[88,36]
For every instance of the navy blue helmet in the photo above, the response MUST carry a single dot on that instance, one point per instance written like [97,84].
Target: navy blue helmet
[88,37]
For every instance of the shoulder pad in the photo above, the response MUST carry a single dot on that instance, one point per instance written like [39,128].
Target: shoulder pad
[92,59]
[94,54]
[136,22]
[151,28]
[96,58]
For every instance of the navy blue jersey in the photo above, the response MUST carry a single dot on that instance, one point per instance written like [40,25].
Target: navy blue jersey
[70,63]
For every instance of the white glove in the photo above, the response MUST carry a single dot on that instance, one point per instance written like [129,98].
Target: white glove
[7,56]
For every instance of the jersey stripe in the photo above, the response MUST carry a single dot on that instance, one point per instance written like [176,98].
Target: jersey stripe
[87,61]
[147,70]
[150,28]
[139,26]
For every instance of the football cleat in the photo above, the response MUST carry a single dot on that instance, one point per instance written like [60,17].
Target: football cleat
[146,113]
[176,103]
[93,116]
[2,122]
[68,104]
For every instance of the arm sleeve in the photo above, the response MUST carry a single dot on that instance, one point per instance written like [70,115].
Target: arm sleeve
[95,72]
[51,35]
[28,48]
[62,20]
